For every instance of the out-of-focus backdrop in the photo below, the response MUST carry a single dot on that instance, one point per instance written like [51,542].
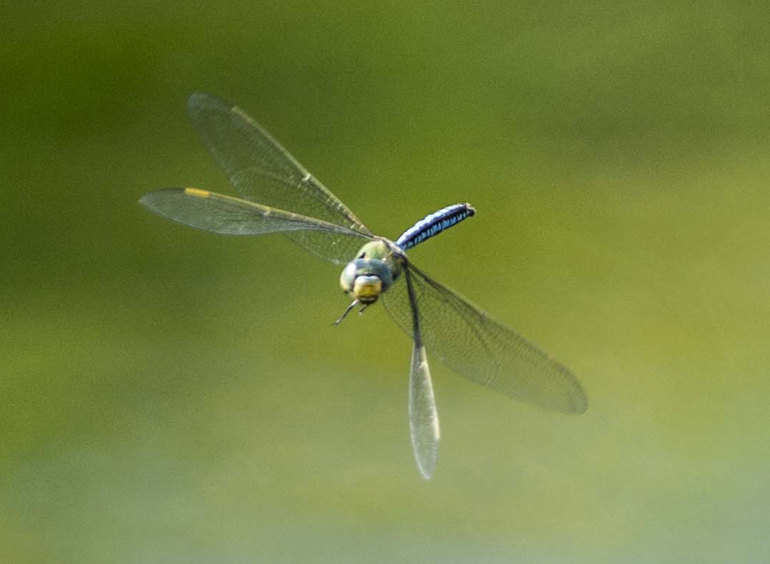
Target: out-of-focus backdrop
[171,396]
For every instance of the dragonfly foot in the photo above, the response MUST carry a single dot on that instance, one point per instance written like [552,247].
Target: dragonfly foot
[361,311]
[347,311]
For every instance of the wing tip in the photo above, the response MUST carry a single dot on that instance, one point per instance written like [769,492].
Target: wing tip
[151,199]
[199,100]
[576,397]
[579,402]
[426,465]
[148,198]
[425,473]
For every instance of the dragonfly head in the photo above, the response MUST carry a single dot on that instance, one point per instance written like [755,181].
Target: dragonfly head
[365,279]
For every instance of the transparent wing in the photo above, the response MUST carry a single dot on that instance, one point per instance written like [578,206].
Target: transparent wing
[232,216]
[423,416]
[261,170]
[479,348]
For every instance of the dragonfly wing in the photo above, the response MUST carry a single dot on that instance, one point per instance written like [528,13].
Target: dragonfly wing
[218,213]
[423,416]
[481,349]
[259,167]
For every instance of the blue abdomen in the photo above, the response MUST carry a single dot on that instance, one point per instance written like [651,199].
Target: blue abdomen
[434,224]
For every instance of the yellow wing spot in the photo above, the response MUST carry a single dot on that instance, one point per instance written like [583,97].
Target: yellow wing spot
[196,193]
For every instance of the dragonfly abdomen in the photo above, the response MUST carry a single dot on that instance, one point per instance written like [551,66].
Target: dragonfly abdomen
[434,224]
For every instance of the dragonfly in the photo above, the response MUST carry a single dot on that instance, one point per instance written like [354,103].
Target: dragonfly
[278,195]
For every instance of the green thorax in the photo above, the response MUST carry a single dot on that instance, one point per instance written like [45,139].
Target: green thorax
[386,251]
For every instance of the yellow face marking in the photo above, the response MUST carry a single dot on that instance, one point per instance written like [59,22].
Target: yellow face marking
[197,193]
[367,289]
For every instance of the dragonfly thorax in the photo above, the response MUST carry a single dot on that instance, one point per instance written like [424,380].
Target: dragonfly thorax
[376,266]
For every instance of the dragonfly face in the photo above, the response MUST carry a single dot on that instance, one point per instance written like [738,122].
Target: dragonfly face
[278,195]
[377,266]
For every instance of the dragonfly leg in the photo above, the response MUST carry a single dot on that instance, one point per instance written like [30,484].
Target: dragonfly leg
[347,311]
[361,311]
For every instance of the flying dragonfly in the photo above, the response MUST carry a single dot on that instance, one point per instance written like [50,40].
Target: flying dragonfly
[278,195]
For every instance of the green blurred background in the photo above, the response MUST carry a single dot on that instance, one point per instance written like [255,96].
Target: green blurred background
[174,396]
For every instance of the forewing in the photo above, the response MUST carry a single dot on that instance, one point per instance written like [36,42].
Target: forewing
[259,167]
[218,213]
[470,342]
